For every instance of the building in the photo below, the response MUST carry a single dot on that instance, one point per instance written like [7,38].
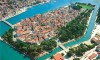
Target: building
[95,40]
[58,57]
[98,49]
[92,56]
[98,57]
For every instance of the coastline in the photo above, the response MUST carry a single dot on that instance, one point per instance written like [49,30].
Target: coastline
[17,13]
[25,55]
[88,22]
[84,31]
[13,57]
[21,11]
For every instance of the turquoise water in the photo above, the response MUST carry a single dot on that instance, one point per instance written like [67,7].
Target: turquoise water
[89,30]
[39,9]
[3,28]
[50,54]
[84,38]
[7,53]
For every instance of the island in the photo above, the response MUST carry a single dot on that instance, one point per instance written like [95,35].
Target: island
[41,34]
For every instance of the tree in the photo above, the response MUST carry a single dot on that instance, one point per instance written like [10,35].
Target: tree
[49,44]
[62,54]
[76,59]
[74,29]
[52,57]
[69,54]
[98,17]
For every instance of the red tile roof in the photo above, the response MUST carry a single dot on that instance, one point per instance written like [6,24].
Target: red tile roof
[94,39]
[98,52]
[58,57]
[92,56]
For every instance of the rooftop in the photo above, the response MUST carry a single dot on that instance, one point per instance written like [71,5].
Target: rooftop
[58,57]
[92,56]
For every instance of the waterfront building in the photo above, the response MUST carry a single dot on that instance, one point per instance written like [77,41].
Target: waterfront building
[92,56]
[58,56]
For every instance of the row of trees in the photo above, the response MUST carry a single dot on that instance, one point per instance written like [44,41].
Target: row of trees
[76,7]
[75,28]
[76,59]
[88,4]
[31,50]
[98,17]
[80,50]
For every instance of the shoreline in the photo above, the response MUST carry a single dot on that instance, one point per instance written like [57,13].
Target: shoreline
[22,10]
[88,22]
[11,46]
[84,31]
[17,13]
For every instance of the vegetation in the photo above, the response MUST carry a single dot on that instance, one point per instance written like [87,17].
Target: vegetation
[86,6]
[51,57]
[80,50]
[76,28]
[49,45]
[31,50]
[98,17]
[62,54]
[76,59]
[76,7]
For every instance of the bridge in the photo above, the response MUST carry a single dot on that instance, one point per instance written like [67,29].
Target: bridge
[66,50]
[8,23]
[61,46]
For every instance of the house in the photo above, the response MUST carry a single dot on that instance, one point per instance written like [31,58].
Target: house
[98,53]
[98,41]
[98,48]
[95,40]
[58,57]
[98,57]
[92,56]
